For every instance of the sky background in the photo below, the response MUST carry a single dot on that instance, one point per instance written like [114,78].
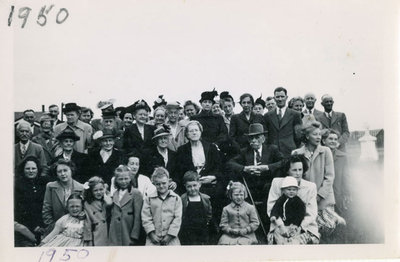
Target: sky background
[129,50]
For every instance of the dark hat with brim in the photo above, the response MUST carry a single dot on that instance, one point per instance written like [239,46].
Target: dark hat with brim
[255,129]
[103,134]
[162,130]
[260,101]
[109,113]
[69,107]
[225,95]
[140,104]
[68,133]
[208,96]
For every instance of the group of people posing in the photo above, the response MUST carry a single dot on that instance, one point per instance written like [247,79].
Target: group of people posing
[187,175]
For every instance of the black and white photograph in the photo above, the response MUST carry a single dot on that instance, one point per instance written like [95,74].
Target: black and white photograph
[208,130]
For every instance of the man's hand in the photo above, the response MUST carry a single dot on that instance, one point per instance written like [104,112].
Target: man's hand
[252,170]
[154,238]
[172,185]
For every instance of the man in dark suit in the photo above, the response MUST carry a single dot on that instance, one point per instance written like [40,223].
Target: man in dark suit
[334,120]
[282,124]
[310,100]
[54,111]
[257,165]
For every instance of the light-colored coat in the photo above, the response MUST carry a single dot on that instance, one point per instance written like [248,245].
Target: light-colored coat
[162,216]
[321,172]
[308,193]
[81,129]
[125,218]
[54,204]
[97,215]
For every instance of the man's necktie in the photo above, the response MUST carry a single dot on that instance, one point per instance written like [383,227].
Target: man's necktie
[23,149]
[258,156]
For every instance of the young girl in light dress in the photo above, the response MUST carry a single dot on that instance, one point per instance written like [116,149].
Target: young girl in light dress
[239,219]
[71,229]
[97,206]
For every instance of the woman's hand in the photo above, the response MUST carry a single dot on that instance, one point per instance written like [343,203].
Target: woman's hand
[243,231]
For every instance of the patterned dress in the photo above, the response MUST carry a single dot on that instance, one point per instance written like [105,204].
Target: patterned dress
[71,232]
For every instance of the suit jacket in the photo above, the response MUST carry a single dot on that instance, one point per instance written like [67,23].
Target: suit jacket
[339,123]
[33,149]
[283,135]
[152,159]
[105,170]
[239,125]
[48,147]
[258,184]
[214,128]
[132,139]
[308,193]
[321,172]
[81,162]
[125,218]
[185,162]
[54,204]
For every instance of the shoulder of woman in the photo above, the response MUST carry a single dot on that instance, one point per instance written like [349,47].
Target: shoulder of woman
[77,185]
[53,184]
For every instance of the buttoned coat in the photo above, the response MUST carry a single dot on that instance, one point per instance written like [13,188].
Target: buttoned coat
[321,172]
[132,140]
[125,218]
[162,216]
[283,135]
[54,204]
[152,159]
[308,193]
[239,125]
[239,217]
[105,170]
[214,128]
[82,130]
[33,149]
[338,123]
[98,216]
[81,162]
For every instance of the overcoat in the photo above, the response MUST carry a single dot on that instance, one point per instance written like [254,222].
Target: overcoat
[81,162]
[98,215]
[132,139]
[239,126]
[152,159]
[214,128]
[105,170]
[125,218]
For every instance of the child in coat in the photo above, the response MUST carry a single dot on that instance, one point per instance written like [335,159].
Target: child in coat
[239,219]
[162,212]
[97,203]
[197,212]
[125,212]
[289,211]
[71,230]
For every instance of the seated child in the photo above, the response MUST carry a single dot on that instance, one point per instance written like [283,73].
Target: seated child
[69,229]
[162,212]
[197,212]
[289,210]
[239,219]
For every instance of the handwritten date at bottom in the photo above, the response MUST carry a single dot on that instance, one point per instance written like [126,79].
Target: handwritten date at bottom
[69,254]
[42,17]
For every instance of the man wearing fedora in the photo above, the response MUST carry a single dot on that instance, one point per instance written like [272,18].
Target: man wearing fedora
[257,165]
[282,124]
[177,128]
[67,139]
[105,160]
[82,130]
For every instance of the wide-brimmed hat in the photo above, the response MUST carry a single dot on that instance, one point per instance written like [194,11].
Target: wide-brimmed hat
[108,113]
[105,104]
[69,107]
[172,105]
[260,101]
[140,104]
[289,181]
[160,101]
[208,95]
[102,134]
[68,133]
[162,130]
[255,129]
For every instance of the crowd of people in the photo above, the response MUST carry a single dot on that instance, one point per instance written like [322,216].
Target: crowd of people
[187,174]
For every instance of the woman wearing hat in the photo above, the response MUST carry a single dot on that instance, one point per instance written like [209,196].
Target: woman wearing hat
[259,106]
[160,155]
[103,161]
[240,122]
[176,127]
[138,136]
[83,130]
[67,140]
[214,129]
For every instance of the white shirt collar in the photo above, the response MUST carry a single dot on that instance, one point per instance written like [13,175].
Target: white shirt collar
[255,158]
[283,110]
[26,145]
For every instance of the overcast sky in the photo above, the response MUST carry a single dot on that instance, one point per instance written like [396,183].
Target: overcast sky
[139,49]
